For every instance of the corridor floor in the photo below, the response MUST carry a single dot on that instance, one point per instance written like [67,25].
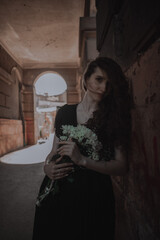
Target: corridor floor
[21,173]
[19,185]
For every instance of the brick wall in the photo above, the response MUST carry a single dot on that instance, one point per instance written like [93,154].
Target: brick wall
[11,136]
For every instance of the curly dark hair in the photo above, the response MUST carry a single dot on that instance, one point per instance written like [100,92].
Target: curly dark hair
[112,118]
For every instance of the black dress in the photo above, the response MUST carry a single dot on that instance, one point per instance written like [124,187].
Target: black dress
[84,209]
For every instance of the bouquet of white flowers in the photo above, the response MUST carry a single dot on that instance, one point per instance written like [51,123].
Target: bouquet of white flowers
[85,138]
[89,146]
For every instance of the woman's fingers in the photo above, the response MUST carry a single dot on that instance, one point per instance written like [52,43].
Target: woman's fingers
[70,148]
[58,170]
[58,159]
[66,142]
[66,145]
[61,170]
[61,176]
[63,165]
[66,149]
[65,152]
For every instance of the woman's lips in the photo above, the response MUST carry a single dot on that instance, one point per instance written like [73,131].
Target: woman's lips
[100,94]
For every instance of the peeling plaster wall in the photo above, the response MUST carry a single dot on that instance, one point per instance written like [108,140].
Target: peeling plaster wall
[145,171]
[139,192]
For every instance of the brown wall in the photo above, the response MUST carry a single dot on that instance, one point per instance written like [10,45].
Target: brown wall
[144,177]
[9,104]
[139,190]
[9,91]
[123,37]
[9,100]
[11,136]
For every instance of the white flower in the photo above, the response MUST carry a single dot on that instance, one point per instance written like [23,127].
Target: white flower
[85,137]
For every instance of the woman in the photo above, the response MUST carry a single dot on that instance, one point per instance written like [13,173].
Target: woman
[85,208]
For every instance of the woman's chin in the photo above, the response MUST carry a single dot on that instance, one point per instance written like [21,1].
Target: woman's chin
[98,97]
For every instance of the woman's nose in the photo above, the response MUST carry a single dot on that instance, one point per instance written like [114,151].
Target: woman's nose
[102,87]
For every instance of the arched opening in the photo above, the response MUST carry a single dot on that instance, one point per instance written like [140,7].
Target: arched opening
[50,94]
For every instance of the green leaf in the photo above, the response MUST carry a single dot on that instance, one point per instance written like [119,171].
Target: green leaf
[71,180]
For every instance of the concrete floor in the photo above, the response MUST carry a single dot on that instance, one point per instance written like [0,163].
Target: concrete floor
[21,173]
[19,185]
[18,190]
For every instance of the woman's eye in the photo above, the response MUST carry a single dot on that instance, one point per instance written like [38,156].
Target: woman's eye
[99,79]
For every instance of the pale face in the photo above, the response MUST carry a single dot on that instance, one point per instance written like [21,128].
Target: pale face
[96,84]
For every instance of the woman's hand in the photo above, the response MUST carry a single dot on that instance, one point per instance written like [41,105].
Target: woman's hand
[56,171]
[70,149]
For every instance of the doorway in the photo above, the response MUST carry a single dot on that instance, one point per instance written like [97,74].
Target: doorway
[49,95]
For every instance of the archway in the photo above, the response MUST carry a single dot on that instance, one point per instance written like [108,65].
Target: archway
[49,94]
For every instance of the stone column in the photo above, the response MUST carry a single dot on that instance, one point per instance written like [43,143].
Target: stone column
[74,90]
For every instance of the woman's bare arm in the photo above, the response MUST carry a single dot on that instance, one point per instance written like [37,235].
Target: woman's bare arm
[53,169]
[117,166]
[54,149]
